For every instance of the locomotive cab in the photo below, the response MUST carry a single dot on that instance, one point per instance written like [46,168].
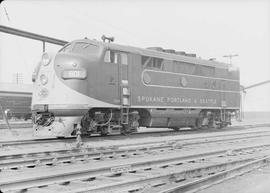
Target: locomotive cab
[62,82]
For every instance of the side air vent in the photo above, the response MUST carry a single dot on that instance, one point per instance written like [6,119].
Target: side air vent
[185,54]
[180,53]
[160,49]
[171,51]
[191,55]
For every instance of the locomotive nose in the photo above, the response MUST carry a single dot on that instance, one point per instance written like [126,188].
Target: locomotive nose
[74,71]
[68,62]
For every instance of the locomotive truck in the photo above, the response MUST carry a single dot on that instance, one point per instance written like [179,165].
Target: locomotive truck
[102,87]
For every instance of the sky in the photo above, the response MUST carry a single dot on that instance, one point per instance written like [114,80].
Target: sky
[209,28]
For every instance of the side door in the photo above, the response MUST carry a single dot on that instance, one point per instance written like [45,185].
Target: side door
[123,77]
[109,78]
[223,103]
[223,94]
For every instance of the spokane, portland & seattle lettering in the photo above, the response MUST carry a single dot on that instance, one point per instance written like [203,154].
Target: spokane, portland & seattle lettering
[159,99]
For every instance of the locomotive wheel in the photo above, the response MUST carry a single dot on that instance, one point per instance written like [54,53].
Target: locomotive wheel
[223,125]
[193,127]
[198,123]
[104,131]
[125,130]
[176,128]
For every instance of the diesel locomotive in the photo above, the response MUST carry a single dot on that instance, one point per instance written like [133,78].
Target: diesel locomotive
[101,87]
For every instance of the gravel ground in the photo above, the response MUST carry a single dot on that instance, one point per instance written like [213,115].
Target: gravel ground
[256,181]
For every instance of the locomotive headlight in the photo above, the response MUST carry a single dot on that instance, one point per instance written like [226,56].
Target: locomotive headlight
[43,79]
[43,92]
[45,59]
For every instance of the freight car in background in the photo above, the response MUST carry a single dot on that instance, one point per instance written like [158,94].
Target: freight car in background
[16,99]
[100,87]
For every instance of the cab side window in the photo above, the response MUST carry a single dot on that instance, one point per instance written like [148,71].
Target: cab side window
[153,63]
[157,63]
[67,48]
[110,57]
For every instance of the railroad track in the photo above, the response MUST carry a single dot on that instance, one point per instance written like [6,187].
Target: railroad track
[132,172]
[31,159]
[133,135]
[222,175]
[38,171]
[172,181]
[16,125]
[22,158]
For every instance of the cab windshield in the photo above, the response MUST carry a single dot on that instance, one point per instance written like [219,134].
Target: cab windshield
[80,48]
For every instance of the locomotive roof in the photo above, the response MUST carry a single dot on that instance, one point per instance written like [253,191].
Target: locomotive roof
[159,54]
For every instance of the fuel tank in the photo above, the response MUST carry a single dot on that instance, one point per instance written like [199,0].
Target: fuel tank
[169,117]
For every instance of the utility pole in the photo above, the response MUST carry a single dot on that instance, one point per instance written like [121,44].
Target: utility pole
[230,56]
[18,78]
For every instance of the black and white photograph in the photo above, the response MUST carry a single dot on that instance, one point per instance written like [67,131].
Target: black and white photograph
[142,96]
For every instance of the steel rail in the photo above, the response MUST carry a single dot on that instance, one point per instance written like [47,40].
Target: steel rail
[86,139]
[77,154]
[86,171]
[24,159]
[15,125]
[215,171]
[35,141]
[219,177]
[132,147]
